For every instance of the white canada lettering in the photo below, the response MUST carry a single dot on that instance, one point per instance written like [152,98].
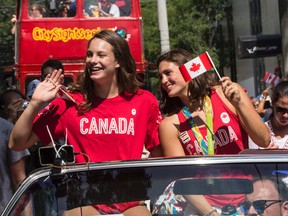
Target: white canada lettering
[222,137]
[233,135]
[131,127]
[93,126]
[189,148]
[122,126]
[113,126]
[103,126]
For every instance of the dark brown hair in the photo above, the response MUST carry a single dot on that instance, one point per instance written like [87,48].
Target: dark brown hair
[126,74]
[280,90]
[197,89]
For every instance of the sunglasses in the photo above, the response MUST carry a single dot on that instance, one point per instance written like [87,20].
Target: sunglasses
[258,205]
[281,110]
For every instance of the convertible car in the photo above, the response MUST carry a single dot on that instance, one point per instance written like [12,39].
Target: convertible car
[162,184]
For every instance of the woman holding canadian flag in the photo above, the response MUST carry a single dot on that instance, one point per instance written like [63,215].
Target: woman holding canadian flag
[203,118]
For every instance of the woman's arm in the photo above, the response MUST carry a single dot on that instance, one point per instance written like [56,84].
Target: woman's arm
[172,147]
[22,135]
[169,137]
[250,120]
[261,110]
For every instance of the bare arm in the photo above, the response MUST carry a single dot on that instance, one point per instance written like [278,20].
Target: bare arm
[172,147]
[249,118]
[169,137]
[22,135]
[261,110]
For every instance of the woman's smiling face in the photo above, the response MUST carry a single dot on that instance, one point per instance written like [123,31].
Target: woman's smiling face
[100,60]
[171,79]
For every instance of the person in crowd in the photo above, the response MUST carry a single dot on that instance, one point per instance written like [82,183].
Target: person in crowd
[264,107]
[110,118]
[124,7]
[31,88]
[69,8]
[113,10]
[36,11]
[278,121]
[49,66]
[12,165]
[12,104]
[187,105]
[13,21]
[103,6]
[269,198]
[255,103]
[33,162]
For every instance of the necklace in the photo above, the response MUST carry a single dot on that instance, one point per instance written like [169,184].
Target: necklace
[273,137]
[207,147]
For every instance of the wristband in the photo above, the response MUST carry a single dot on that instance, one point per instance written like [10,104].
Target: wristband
[210,212]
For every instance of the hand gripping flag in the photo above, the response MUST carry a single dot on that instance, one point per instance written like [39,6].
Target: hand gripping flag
[270,78]
[196,66]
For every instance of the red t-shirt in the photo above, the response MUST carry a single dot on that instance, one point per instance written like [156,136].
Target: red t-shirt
[115,129]
[230,137]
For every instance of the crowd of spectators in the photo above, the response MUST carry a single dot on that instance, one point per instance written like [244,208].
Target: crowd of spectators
[188,105]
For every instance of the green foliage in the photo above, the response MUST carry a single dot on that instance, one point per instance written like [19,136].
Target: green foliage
[7,9]
[194,25]
[151,30]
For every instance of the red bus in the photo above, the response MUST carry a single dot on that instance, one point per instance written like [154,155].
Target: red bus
[63,30]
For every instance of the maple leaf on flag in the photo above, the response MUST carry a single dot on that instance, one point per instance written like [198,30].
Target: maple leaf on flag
[195,67]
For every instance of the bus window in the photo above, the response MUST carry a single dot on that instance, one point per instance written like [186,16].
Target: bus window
[36,11]
[53,8]
[66,39]
[91,8]
[124,6]
[107,8]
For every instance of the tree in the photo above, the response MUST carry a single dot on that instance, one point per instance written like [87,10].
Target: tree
[193,25]
[7,9]
[151,29]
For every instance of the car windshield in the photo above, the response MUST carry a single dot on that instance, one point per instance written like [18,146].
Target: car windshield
[153,182]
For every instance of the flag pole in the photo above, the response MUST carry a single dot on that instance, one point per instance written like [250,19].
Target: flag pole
[213,64]
[63,91]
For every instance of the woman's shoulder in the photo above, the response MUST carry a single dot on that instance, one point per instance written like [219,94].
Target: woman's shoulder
[170,119]
[169,125]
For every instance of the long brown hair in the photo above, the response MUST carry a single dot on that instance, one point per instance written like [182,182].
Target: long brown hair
[126,74]
[197,88]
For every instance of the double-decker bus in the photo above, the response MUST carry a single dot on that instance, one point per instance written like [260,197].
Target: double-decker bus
[62,32]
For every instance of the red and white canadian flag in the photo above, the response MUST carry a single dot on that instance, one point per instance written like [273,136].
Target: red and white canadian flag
[196,66]
[270,78]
